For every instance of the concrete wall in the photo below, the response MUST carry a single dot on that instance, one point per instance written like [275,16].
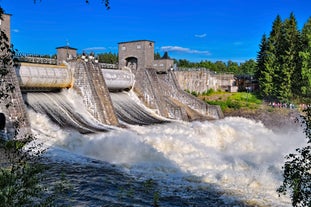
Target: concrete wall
[203,80]
[12,105]
[141,50]
[161,92]
[65,53]
[90,83]
[163,65]
[200,109]
[5,25]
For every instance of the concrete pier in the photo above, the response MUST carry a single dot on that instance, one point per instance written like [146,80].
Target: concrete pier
[90,83]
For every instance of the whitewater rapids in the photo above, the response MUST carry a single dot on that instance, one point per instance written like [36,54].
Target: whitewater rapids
[238,157]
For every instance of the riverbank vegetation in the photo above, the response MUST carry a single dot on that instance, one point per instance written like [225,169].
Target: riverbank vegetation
[231,101]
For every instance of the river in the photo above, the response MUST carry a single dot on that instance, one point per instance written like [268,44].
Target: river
[230,162]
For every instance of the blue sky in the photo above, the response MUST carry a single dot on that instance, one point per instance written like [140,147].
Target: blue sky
[188,29]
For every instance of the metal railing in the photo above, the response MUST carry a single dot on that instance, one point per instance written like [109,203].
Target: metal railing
[31,58]
[108,66]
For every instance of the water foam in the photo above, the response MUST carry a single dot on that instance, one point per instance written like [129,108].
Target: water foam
[239,155]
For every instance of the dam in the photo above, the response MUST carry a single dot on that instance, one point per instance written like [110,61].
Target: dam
[138,91]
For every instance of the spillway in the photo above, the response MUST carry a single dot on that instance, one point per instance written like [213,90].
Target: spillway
[131,111]
[66,109]
[36,80]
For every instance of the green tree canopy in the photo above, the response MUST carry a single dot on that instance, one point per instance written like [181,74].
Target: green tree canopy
[109,57]
[283,61]
[305,55]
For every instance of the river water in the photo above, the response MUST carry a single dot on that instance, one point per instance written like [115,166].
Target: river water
[229,162]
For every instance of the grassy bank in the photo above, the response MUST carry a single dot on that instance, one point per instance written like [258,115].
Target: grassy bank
[232,101]
[247,105]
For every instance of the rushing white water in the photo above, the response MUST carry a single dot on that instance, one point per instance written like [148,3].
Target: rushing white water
[130,110]
[240,156]
[65,108]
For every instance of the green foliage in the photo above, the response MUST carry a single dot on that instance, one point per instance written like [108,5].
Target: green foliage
[246,68]
[208,92]
[283,71]
[297,169]
[157,56]
[22,176]
[183,63]
[261,57]
[283,68]
[232,104]
[232,101]
[108,58]
[194,93]
[305,55]
[248,97]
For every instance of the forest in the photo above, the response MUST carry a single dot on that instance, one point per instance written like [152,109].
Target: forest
[284,61]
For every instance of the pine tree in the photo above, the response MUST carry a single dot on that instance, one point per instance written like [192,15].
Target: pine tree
[276,37]
[275,50]
[265,69]
[261,55]
[305,55]
[266,79]
[289,59]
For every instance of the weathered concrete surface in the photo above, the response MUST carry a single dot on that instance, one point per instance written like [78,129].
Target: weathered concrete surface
[90,83]
[163,93]
[148,90]
[13,106]
[173,90]
[202,80]
[156,85]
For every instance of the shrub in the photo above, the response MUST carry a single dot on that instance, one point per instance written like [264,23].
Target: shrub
[297,169]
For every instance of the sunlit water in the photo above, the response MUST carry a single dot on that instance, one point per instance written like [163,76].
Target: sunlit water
[229,162]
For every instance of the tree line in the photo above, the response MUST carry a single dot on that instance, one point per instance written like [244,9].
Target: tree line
[246,68]
[284,61]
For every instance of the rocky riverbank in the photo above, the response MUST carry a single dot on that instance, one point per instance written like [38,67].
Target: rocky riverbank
[272,118]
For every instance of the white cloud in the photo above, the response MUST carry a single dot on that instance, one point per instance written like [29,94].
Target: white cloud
[94,48]
[15,30]
[200,35]
[183,50]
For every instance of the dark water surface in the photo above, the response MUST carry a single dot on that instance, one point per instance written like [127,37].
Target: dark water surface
[98,183]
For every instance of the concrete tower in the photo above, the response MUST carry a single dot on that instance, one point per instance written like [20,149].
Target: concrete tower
[136,54]
[65,53]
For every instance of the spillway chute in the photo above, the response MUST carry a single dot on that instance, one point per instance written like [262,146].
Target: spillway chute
[130,111]
[65,112]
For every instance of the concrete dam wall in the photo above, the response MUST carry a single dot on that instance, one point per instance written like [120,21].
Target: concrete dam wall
[107,98]
[162,92]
